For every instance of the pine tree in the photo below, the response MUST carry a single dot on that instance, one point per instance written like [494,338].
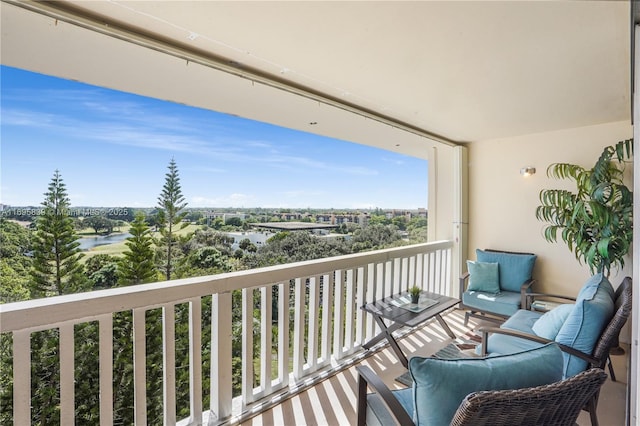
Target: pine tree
[56,256]
[137,265]
[56,270]
[171,204]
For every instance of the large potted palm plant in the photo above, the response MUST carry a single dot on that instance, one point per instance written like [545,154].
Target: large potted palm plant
[596,221]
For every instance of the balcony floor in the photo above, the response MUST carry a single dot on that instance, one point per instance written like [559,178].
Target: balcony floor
[333,401]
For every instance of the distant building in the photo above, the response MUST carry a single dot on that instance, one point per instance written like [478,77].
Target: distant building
[293,226]
[291,216]
[408,214]
[224,216]
[259,238]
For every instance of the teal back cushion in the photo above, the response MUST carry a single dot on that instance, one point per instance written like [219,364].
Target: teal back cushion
[440,385]
[514,268]
[592,312]
[549,324]
[483,276]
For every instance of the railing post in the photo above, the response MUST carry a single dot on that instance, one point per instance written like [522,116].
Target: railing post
[67,375]
[221,336]
[195,360]
[338,315]
[247,346]
[106,369]
[350,302]
[22,378]
[139,366]
[328,285]
[298,328]
[420,270]
[283,333]
[396,275]
[312,335]
[370,296]
[360,301]
[169,363]
[266,311]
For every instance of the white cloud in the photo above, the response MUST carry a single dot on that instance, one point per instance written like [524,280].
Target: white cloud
[304,163]
[395,161]
[130,123]
[25,118]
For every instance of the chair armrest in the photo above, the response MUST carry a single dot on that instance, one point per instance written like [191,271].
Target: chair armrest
[508,332]
[515,333]
[530,298]
[524,301]
[366,376]
[464,279]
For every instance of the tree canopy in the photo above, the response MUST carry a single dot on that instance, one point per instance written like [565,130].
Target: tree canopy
[171,203]
[137,264]
[56,256]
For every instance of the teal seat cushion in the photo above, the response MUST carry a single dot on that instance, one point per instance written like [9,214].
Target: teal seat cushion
[584,322]
[440,385]
[523,321]
[377,412]
[550,323]
[505,303]
[593,310]
[483,276]
[515,269]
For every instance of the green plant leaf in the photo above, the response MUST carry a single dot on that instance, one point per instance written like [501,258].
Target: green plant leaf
[595,221]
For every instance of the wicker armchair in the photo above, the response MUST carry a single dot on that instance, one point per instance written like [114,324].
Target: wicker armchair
[600,355]
[609,338]
[514,281]
[605,341]
[555,404]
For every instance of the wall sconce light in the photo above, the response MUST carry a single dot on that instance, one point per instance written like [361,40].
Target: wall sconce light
[527,171]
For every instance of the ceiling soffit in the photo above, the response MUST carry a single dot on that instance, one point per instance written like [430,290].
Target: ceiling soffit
[466,70]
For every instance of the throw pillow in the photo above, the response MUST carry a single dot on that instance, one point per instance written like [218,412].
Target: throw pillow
[550,323]
[440,385]
[483,276]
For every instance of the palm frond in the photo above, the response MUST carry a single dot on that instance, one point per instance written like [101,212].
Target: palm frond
[624,150]
[564,171]
[596,221]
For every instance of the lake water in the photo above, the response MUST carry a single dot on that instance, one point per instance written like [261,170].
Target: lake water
[87,243]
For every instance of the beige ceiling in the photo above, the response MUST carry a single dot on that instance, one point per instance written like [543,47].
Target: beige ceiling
[466,71]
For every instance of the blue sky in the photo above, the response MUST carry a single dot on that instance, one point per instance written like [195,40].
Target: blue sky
[112,149]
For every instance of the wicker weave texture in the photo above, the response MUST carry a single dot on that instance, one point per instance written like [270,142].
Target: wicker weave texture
[610,334]
[557,404]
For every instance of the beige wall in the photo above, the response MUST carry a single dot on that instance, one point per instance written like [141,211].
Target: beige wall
[502,203]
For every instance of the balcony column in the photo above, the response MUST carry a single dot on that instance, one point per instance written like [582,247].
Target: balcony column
[460,213]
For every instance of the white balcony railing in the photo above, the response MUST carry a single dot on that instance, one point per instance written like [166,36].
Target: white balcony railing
[320,297]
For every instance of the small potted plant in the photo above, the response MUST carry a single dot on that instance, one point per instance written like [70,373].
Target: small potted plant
[415,293]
